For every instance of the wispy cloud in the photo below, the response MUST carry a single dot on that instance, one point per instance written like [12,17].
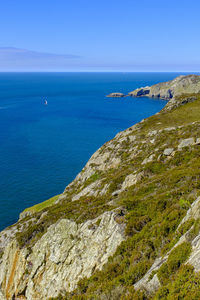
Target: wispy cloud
[22,60]
[15,59]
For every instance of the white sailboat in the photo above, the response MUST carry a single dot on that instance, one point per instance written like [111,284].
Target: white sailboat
[45,102]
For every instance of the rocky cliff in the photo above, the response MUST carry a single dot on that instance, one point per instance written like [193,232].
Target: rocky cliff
[127,227]
[65,253]
[166,90]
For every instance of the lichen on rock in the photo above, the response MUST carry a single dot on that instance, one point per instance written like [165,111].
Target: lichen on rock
[119,227]
[66,253]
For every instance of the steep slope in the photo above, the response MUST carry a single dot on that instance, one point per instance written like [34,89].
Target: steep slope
[125,228]
[182,84]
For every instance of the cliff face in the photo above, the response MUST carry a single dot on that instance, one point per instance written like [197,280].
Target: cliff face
[189,84]
[125,228]
[64,254]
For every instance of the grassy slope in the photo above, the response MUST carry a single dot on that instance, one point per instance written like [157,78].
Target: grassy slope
[40,206]
[181,116]
[154,208]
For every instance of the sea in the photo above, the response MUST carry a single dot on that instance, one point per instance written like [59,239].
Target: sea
[43,147]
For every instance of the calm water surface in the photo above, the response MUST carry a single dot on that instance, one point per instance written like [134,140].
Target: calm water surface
[42,148]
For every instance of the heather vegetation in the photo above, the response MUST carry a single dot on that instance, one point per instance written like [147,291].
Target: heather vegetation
[154,209]
[151,209]
[185,285]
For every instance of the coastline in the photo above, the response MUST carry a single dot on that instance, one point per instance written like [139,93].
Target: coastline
[56,155]
[119,203]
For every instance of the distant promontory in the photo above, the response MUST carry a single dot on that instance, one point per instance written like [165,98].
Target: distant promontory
[184,84]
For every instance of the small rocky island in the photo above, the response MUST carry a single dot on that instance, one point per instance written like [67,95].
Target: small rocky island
[116,95]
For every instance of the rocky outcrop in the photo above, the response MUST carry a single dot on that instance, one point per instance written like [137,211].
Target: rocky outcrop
[90,190]
[116,95]
[186,143]
[167,90]
[131,180]
[152,284]
[194,259]
[192,213]
[168,151]
[66,253]
[148,159]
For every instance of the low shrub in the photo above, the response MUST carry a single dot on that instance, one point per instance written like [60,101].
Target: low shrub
[175,259]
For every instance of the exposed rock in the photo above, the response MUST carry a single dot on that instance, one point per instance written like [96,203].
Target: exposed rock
[6,235]
[198,141]
[168,151]
[152,141]
[90,190]
[193,212]
[2,296]
[85,174]
[114,162]
[144,91]
[152,133]
[159,157]
[116,95]
[170,128]
[131,138]
[194,258]
[104,189]
[64,255]
[148,159]
[131,180]
[153,285]
[167,90]
[116,193]
[143,283]
[24,214]
[186,143]
[61,197]
[178,101]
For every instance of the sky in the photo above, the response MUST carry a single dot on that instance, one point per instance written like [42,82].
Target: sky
[100,35]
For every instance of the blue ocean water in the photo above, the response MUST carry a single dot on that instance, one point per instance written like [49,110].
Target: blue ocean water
[42,148]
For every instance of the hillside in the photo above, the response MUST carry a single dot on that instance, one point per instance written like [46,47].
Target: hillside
[127,227]
[166,90]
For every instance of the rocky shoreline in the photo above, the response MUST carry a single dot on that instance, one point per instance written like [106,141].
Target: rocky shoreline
[166,90]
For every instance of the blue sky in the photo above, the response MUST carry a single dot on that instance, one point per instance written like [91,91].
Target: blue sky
[89,35]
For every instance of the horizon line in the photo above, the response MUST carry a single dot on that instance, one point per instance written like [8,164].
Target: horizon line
[99,71]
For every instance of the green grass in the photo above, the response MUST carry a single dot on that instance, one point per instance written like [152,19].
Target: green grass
[182,115]
[94,177]
[40,206]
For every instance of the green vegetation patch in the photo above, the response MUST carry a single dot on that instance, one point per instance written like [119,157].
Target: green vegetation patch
[79,211]
[40,206]
[180,116]
[154,211]
[175,259]
[185,286]
[92,178]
